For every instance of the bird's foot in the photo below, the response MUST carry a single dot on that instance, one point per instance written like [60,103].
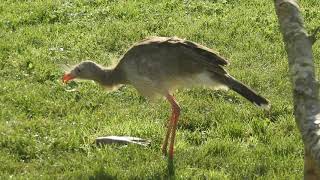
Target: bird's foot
[164,153]
[171,155]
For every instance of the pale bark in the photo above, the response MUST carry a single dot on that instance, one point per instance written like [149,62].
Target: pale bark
[305,87]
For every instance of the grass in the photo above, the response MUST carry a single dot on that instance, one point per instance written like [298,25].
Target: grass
[47,132]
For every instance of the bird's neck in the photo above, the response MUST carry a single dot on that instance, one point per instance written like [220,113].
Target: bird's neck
[109,77]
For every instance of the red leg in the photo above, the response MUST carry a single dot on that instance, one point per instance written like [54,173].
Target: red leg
[169,128]
[174,121]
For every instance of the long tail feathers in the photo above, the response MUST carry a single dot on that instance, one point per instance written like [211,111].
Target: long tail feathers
[246,92]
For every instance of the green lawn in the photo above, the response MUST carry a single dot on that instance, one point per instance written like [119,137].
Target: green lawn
[47,132]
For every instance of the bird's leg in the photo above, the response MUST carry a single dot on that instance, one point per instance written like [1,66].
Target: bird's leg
[169,129]
[174,120]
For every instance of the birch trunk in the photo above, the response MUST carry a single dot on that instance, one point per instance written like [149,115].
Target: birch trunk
[305,87]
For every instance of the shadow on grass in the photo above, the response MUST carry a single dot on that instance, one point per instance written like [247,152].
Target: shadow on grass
[101,175]
[170,169]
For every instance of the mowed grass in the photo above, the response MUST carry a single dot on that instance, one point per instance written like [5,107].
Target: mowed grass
[47,131]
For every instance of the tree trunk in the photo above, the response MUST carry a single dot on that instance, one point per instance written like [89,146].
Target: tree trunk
[305,87]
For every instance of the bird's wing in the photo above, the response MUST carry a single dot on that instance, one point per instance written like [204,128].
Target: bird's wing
[209,56]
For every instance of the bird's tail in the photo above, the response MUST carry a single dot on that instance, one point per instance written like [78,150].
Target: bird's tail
[246,92]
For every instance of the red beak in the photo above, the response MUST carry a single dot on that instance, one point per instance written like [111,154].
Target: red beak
[67,77]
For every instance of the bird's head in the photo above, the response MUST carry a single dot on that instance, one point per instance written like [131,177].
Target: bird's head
[84,70]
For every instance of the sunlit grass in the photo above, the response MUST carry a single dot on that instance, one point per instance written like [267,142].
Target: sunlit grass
[48,132]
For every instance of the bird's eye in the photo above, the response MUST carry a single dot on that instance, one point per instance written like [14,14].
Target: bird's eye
[78,70]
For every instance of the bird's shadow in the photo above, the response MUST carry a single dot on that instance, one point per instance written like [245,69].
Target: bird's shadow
[102,174]
[170,169]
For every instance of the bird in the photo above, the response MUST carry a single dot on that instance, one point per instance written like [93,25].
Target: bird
[156,66]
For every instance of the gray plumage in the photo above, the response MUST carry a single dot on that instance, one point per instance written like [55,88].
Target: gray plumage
[157,65]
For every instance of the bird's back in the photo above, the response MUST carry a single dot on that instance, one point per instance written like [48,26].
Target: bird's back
[211,56]
[158,64]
